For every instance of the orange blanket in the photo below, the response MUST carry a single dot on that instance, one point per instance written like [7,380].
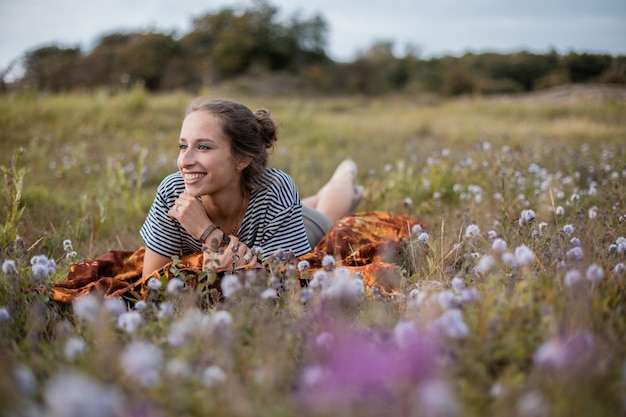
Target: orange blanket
[363,243]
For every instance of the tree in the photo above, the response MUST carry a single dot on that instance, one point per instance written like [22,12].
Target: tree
[47,68]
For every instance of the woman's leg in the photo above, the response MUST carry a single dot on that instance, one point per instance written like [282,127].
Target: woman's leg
[339,196]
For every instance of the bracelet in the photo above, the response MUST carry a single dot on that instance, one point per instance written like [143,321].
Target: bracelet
[207,232]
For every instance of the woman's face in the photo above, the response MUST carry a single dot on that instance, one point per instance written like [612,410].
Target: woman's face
[205,160]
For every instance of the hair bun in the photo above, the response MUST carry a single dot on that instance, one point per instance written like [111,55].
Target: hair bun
[269,129]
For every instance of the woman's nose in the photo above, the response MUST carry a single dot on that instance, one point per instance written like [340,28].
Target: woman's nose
[186,158]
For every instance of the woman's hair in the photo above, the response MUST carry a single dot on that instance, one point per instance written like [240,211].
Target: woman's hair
[251,135]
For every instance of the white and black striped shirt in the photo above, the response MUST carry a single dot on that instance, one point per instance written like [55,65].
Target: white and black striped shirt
[272,221]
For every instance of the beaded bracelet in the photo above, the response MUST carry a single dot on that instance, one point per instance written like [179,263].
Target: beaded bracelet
[207,232]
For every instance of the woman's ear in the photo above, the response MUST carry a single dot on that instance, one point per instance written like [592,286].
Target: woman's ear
[243,163]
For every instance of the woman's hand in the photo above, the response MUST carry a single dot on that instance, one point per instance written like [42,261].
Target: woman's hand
[190,213]
[232,255]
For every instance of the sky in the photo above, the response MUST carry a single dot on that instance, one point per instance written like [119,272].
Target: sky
[431,27]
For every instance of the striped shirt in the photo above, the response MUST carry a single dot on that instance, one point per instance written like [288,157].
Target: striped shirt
[273,219]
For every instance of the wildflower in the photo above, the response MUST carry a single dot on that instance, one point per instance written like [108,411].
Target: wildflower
[328,261]
[469,294]
[319,279]
[142,361]
[498,245]
[154,284]
[574,241]
[67,245]
[423,238]
[524,255]
[408,202]
[447,300]
[221,319]
[492,234]
[114,306]
[471,231]
[527,217]
[405,334]
[417,228]
[140,305]
[230,285]
[325,340]
[8,267]
[344,287]
[87,307]
[620,244]
[531,404]
[4,314]
[572,277]
[178,368]
[73,394]
[593,212]
[74,346]
[550,354]
[451,324]
[165,310]
[543,227]
[306,295]
[25,379]
[595,273]
[303,265]
[42,266]
[212,376]
[129,321]
[435,398]
[485,263]
[619,269]
[575,253]
[269,294]
[568,229]
[174,285]
[559,211]
[457,284]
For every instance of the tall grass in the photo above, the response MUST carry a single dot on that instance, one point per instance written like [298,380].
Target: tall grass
[512,299]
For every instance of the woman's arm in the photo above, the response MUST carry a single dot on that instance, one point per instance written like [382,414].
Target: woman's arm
[153,261]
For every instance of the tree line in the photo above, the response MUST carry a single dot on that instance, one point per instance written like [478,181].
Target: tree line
[251,42]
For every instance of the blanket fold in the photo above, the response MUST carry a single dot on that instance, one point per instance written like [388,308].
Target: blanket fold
[364,243]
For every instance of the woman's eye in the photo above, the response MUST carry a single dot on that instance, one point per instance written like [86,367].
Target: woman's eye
[182,146]
[203,147]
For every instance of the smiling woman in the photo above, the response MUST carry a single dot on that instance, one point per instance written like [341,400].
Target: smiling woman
[225,201]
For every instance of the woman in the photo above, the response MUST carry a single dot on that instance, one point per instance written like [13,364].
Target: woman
[224,194]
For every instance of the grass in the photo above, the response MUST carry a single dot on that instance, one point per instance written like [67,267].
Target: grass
[535,328]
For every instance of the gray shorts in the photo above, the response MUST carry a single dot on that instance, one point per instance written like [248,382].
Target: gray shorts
[316,223]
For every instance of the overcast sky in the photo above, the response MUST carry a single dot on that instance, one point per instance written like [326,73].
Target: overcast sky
[435,27]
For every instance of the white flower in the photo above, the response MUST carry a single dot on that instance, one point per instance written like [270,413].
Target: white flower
[87,307]
[221,319]
[471,231]
[447,300]
[485,263]
[319,279]
[174,285]
[457,284]
[328,261]
[73,394]
[417,228]
[67,245]
[142,362]
[423,237]
[230,285]
[451,324]
[74,346]
[213,375]
[524,255]
[498,245]
[344,286]
[595,273]
[4,314]
[140,305]
[559,211]
[303,265]
[619,269]
[306,294]
[165,310]
[435,398]
[568,229]
[269,294]
[572,277]
[154,283]
[550,354]
[593,212]
[115,306]
[129,321]
[575,253]
[526,217]
[8,267]
[178,368]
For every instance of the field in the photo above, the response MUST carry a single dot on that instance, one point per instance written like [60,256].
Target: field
[513,298]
